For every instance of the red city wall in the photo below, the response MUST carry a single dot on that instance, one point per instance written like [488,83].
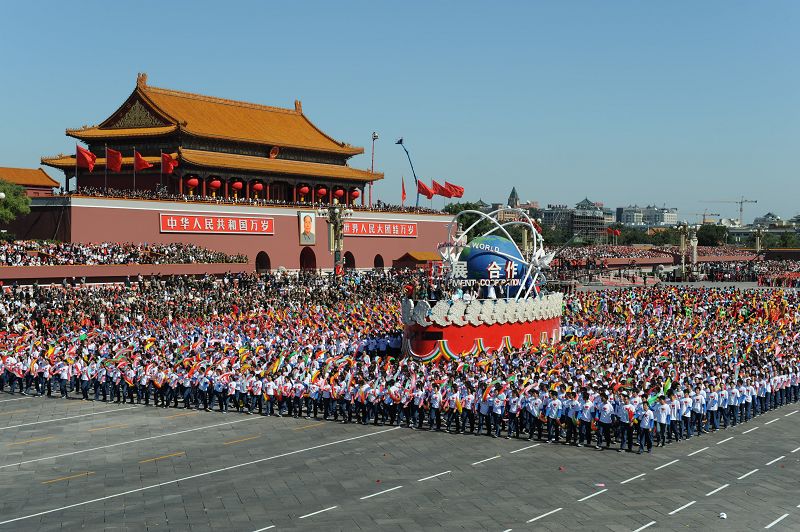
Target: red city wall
[105,220]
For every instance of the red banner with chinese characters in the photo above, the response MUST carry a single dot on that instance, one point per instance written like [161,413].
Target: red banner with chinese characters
[216,224]
[384,229]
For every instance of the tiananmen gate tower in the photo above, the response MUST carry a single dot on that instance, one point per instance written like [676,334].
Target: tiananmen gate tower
[238,177]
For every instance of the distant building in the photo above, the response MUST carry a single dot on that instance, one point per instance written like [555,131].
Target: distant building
[659,216]
[632,215]
[513,198]
[768,220]
[35,181]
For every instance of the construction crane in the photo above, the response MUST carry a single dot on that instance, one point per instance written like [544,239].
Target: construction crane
[741,203]
[705,214]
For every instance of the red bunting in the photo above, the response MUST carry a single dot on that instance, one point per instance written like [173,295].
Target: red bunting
[139,162]
[85,158]
[455,190]
[168,164]
[113,160]
[423,189]
[440,190]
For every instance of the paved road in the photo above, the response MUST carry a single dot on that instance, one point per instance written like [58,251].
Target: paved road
[79,465]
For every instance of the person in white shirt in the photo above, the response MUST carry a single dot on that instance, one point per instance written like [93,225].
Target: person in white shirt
[662,417]
[645,427]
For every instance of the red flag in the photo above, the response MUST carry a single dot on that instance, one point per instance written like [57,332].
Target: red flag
[85,158]
[403,189]
[455,190]
[440,190]
[423,189]
[168,164]
[113,160]
[139,163]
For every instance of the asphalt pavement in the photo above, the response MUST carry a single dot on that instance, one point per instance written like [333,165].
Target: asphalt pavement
[70,464]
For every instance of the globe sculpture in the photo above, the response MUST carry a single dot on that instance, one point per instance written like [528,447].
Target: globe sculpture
[493,257]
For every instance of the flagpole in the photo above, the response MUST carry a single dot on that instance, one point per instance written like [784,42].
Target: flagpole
[161,175]
[134,168]
[76,169]
[400,142]
[105,176]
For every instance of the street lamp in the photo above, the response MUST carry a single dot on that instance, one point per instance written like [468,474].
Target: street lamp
[335,215]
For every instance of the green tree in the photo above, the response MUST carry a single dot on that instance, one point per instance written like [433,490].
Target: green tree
[711,235]
[16,202]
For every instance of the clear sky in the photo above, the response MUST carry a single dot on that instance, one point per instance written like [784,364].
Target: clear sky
[621,101]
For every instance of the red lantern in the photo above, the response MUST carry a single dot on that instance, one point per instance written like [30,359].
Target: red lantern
[215,184]
[321,191]
[339,193]
[303,190]
[237,185]
[355,193]
[192,182]
[258,187]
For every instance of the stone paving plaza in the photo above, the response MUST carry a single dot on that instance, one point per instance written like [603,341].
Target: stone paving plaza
[74,465]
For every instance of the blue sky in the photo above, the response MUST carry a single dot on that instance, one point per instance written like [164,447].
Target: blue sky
[621,101]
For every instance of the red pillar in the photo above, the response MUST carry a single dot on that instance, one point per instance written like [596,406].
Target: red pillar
[247,189]
[330,194]
[268,186]
[362,197]
[294,193]
[203,180]
[180,185]
[226,189]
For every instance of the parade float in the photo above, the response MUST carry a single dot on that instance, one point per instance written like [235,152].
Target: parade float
[496,290]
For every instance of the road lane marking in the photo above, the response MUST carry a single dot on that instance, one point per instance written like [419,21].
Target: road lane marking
[84,474]
[265,528]
[433,476]
[665,465]
[148,438]
[640,475]
[107,427]
[537,517]
[17,399]
[775,522]
[697,451]
[182,414]
[771,421]
[593,495]
[485,460]
[773,461]
[319,512]
[676,510]
[231,442]
[191,477]
[157,458]
[648,525]
[747,474]
[787,415]
[68,417]
[712,492]
[798,449]
[525,448]
[311,426]
[31,441]
[380,493]
[749,430]
[723,441]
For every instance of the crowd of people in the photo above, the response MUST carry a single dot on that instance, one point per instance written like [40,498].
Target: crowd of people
[611,251]
[635,368]
[50,253]
[163,194]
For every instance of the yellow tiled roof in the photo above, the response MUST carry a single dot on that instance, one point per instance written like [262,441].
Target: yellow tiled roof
[274,166]
[98,133]
[210,117]
[27,177]
[68,161]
